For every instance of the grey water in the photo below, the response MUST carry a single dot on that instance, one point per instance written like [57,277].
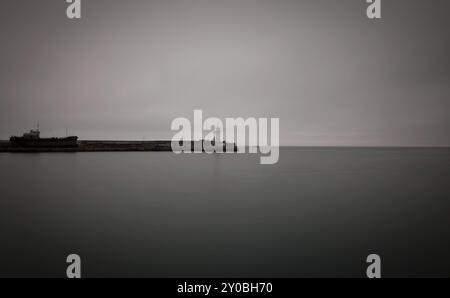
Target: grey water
[319,212]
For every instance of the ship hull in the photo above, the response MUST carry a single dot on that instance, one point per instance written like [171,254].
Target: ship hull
[69,142]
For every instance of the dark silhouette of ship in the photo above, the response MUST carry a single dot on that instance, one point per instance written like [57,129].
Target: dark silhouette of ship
[33,139]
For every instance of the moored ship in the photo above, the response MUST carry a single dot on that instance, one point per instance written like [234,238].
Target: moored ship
[33,139]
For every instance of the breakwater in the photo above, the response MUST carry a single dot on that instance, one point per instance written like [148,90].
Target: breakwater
[98,146]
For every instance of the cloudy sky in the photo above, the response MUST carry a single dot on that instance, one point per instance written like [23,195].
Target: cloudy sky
[128,68]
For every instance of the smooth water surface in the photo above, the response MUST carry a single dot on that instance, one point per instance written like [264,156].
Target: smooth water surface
[318,212]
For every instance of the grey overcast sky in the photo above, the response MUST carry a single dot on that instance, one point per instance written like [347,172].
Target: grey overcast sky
[128,68]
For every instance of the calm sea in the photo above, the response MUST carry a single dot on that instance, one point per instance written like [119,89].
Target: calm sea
[317,213]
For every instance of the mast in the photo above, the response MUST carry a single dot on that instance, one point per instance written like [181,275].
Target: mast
[217,135]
